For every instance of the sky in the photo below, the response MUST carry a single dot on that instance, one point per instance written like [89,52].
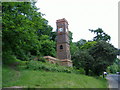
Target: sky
[83,15]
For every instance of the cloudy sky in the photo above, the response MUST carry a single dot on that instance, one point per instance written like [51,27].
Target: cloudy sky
[83,15]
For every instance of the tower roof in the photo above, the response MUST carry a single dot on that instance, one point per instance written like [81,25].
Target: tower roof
[62,20]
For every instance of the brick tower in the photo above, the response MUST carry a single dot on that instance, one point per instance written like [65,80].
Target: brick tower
[63,48]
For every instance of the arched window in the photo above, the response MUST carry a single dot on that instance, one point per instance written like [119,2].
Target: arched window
[61,46]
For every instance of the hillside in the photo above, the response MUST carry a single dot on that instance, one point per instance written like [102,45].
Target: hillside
[44,79]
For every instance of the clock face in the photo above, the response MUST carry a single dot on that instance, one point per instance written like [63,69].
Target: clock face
[60,29]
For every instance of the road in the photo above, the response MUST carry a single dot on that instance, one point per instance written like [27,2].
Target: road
[114,81]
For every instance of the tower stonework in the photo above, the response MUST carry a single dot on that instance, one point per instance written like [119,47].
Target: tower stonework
[63,47]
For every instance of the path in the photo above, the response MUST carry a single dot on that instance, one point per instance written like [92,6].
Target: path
[114,81]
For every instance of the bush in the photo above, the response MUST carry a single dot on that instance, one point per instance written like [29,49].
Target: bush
[37,65]
[10,59]
[42,59]
[78,71]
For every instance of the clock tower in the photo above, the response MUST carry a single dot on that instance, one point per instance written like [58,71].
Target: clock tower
[63,47]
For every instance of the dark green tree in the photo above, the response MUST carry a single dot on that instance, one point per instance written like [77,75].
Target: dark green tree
[100,35]
[53,36]
[104,54]
[83,59]
[73,50]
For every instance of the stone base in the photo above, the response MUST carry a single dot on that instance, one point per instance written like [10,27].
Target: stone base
[62,62]
[66,62]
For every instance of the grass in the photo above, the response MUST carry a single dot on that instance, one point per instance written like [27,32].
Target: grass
[43,79]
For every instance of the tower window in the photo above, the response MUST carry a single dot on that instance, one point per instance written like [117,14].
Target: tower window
[61,46]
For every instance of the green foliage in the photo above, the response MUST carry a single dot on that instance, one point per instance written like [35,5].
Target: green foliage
[42,59]
[101,35]
[53,36]
[70,36]
[84,60]
[73,49]
[37,65]
[80,43]
[10,59]
[81,56]
[88,45]
[47,46]
[79,71]
[115,67]
[104,54]
[94,57]
[24,30]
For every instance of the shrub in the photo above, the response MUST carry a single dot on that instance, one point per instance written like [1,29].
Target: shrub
[7,58]
[78,71]
[42,59]
[37,65]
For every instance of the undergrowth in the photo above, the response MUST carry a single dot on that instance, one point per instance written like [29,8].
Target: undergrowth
[46,66]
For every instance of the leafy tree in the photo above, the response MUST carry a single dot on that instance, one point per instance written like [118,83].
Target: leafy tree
[100,35]
[73,50]
[88,45]
[115,67]
[47,46]
[94,56]
[18,32]
[104,54]
[75,46]
[80,55]
[22,28]
[83,59]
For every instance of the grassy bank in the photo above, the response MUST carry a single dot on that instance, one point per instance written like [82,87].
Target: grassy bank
[43,79]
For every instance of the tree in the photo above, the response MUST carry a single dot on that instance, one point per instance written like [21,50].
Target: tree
[22,27]
[100,35]
[47,46]
[104,54]
[18,28]
[95,57]
[83,59]
[115,67]
[73,50]
[88,45]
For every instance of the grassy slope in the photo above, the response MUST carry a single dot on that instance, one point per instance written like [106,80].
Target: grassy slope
[42,79]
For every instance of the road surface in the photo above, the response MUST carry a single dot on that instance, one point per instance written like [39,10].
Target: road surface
[114,81]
